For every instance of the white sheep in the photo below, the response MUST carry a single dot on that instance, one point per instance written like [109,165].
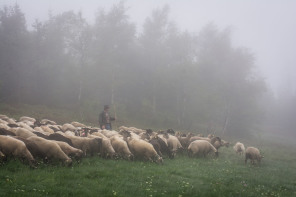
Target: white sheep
[253,154]
[26,118]
[16,148]
[121,148]
[173,144]
[239,148]
[50,149]
[68,127]
[22,132]
[201,148]
[77,124]
[141,148]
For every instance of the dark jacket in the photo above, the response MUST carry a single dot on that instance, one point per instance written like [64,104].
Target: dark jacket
[105,119]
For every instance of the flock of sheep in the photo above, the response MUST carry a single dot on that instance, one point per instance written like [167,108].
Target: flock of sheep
[33,140]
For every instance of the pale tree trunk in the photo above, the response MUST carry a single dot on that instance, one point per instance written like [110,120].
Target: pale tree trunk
[227,119]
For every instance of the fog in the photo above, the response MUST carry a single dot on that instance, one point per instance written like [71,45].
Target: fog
[209,65]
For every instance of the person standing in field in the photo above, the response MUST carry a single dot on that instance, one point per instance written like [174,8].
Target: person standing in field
[105,119]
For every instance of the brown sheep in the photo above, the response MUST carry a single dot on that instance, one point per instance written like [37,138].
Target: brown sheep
[185,140]
[253,154]
[16,148]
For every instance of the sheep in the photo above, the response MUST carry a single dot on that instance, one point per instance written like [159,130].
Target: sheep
[253,154]
[199,138]
[185,140]
[77,124]
[106,149]
[46,122]
[173,144]
[25,126]
[59,137]
[26,118]
[225,143]
[4,117]
[50,149]
[4,126]
[201,148]
[24,133]
[16,148]
[69,150]
[32,147]
[68,127]
[47,129]
[121,148]
[141,148]
[6,132]
[3,122]
[108,133]
[87,145]
[239,148]
[215,141]
[11,121]
[159,146]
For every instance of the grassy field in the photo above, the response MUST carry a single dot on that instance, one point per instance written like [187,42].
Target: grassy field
[182,176]
[225,176]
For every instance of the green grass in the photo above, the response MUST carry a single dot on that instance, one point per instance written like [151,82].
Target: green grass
[182,176]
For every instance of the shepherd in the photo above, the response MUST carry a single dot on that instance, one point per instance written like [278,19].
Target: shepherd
[105,119]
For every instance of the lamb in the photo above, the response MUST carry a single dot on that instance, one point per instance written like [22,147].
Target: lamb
[141,148]
[51,149]
[16,148]
[201,148]
[253,154]
[239,148]
[120,147]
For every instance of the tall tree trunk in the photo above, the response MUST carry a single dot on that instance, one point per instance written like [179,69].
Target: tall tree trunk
[227,119]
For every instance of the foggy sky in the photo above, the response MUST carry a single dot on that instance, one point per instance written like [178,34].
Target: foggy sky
[266,27]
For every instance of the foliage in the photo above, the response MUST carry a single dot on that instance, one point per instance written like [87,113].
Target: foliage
[160,77]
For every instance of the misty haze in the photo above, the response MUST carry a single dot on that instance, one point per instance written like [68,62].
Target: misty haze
[150,99]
